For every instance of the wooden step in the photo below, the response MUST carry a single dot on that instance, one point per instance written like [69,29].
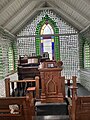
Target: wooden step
[51,108]
[51,117]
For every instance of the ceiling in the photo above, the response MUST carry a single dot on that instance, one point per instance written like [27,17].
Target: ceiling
[16,13]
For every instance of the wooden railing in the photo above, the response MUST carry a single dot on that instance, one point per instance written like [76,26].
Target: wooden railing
[19,87]
[71,82]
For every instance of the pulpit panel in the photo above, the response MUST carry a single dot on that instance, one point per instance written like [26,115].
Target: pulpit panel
[51,82]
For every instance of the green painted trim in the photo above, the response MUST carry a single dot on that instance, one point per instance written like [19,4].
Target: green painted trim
[10,61]
[83,40]
[15,55]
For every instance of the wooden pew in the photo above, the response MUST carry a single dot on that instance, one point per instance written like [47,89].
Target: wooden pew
[21,85]
[79,107]
[16,108]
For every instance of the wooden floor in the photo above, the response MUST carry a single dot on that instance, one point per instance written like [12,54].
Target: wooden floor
[81,91]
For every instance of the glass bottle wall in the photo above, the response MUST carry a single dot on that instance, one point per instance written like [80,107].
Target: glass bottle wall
[68,43]
[1,65]
[86,55]
[8,56]
[10,59]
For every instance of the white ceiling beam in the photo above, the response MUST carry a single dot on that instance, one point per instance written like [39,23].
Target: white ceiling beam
[6,6]
[42,0]
[76,10]
[87,1]
[67,17]
[7,32]
[16,14]
[85,28]
[45,8]
[26,18]
[67,34]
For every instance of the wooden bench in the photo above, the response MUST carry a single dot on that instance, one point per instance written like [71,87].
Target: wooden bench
[16,108]
[79,109]
[16,86]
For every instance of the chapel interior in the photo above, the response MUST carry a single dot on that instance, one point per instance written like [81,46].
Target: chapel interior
[44,59]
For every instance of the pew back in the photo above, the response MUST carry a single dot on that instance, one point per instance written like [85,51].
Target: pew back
[82,108]
[16,108]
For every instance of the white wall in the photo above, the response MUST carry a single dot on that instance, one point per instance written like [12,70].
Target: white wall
[85,78]
[2,84]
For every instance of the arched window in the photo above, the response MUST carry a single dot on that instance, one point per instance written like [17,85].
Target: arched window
[47,42]
[86,55]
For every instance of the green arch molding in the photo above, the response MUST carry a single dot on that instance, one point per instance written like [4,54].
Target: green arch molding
[13,45]
[15,55]
[83,40]
[56,38]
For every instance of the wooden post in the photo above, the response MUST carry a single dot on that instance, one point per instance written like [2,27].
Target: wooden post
[63,85]
[74,97]
[7,87]
[74,81]
[68,91]
[29,107]
[37,87]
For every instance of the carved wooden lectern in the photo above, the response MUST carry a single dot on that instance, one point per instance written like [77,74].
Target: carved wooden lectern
[53,87]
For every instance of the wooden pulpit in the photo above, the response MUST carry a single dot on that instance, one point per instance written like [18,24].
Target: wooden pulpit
[53,86]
